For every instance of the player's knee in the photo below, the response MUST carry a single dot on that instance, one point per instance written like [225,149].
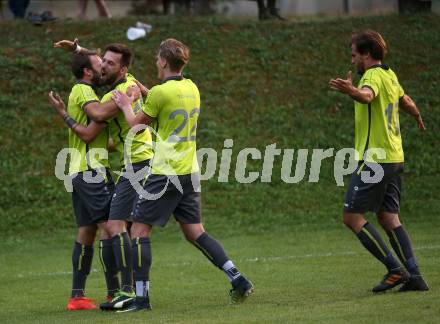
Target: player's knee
[86,235]
[388,221]
[190,237]
[115,227]
[346,220]
[85,238]
[351,222]
[140,230]
[192,231]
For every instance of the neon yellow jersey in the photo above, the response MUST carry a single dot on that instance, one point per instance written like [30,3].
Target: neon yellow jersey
[377,123]
[91,155]
[176,106]
[141,145]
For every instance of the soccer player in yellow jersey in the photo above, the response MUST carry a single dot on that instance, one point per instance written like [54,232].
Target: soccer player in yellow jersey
[115,63]
[378,144]
[91,199]
[174,106]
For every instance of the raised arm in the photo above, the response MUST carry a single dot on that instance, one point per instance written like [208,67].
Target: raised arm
[70,46]
[364,95]
[124,103]
[409,106]
[86,134]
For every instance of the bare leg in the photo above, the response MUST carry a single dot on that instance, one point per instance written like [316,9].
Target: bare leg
[82,9]
[103,9]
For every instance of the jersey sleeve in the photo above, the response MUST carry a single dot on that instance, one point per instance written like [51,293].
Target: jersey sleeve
[106,97]
[371,80]
[85,95]
[151,105]
[401,91]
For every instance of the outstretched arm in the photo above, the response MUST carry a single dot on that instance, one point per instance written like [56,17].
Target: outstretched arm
[70,46]
[124,103]
[86,134]
[409,106]
[364,95]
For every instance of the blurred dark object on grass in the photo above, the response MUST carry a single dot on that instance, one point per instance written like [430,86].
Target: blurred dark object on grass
[412,6]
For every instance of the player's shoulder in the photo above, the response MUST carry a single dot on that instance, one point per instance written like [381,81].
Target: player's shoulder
[82,90]
[190,83]
[122,86]
[157,90]
[82,86]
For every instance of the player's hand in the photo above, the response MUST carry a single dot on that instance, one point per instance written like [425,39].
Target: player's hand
[67,44]
[420,123]
[134,91]
[58,103]
[144,89]
[122,100]
[342,85]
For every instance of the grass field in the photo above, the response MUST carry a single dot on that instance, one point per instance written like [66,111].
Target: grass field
[304,271]
[302,276]
[260,84]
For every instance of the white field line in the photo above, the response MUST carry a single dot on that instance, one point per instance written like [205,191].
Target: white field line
[256,259]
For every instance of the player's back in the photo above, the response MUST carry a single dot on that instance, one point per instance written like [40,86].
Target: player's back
[176,106]
[377,123]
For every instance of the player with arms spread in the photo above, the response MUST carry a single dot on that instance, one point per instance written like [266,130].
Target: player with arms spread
[378,98]
[174,106]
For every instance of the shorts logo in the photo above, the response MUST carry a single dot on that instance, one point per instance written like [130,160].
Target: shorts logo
[356,188]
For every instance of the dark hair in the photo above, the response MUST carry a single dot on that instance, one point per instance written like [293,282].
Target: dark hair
[121,49]
[372,42]
[175,53]
[80,62]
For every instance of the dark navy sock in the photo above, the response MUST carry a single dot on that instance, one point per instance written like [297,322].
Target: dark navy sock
[401,244]
[82,257]
[108,261]
[122,250]
[371,240]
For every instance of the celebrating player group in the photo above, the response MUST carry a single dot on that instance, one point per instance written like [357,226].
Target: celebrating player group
[160,178]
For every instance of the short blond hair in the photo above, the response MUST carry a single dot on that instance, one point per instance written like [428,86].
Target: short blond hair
[175,53]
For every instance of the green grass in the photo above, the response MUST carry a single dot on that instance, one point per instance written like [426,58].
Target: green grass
[302,276]
[305,265]
[261,83]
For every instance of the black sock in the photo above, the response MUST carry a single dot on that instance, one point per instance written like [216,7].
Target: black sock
[401,244]
[108,261]
[212,249]
[122,250]
[141,249]
[372,241]
[82,257]
[215,253]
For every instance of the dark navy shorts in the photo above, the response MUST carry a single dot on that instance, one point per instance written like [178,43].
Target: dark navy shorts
[125,194]
[91,197]
[376,197]
[177,195]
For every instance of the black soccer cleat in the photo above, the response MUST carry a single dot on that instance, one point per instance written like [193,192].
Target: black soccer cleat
[241,289]
[121,300]
[415,283]
[139,304]
[392,279]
